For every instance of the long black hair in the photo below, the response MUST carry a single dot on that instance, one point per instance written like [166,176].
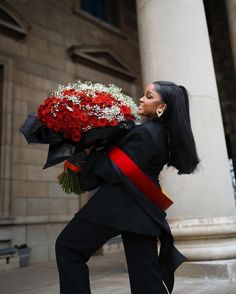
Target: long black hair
[182,149]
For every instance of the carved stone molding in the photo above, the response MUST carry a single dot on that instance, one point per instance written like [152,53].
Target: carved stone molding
[11,22]
[206,238]
[102,58]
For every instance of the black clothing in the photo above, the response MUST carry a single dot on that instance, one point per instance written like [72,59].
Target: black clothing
[119,205]
[113,205]
[80,239]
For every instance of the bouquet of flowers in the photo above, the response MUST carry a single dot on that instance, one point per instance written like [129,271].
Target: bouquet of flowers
[77,116]
[76,108]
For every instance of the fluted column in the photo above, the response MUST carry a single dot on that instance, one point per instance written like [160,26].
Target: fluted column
[174,46]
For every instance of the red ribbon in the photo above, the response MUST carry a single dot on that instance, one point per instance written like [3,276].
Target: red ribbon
[138,178]
[71,166]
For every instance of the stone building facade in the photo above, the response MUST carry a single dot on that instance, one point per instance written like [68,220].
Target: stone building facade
[46,43]
[43,44]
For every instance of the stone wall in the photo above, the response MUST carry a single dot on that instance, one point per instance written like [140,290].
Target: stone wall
[36,59]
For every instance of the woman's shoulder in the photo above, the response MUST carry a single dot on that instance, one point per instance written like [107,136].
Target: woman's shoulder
[152,127]
[149,133]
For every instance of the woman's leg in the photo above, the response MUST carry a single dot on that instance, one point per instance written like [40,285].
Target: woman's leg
[77,242]
[142,262]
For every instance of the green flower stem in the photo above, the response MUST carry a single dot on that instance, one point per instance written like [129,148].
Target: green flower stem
[69,182]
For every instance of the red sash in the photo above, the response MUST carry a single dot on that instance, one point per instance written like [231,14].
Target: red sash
[138,178]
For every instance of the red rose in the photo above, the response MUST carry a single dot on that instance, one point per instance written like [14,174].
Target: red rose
[102,122]
[86,125]
[67,119]
[86,98]
[99,100]
[49,99]
[76,136]
[84,117]
[114,122]
[73,125]
[92,120]
[46,111]
[60,115]
[61,107]
[125,109]
[80,116]
[108,102]
[69,92]
[57,127]
[49,123]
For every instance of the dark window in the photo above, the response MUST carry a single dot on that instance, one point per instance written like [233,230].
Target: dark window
[105,10]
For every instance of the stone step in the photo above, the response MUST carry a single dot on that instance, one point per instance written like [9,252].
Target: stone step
[216,269]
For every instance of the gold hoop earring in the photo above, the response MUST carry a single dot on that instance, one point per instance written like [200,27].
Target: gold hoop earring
[159,112]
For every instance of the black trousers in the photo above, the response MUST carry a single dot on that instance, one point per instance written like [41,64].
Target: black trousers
[80,239]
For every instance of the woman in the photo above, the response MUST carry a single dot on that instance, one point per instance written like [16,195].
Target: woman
[120,207]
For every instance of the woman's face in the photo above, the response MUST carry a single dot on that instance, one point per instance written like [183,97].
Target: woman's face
[149,102]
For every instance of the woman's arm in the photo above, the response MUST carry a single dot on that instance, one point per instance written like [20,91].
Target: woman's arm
[87,178]
[144,144]
[141,145]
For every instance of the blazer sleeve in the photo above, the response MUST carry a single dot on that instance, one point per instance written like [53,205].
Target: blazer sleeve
[87,178]
[96,169]
[141,145]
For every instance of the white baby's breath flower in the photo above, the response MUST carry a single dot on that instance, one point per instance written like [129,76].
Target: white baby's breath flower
[91,89]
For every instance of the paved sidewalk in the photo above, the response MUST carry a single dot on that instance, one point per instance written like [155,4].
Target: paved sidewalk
[108,276]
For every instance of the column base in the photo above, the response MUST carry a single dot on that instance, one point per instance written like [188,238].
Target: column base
[209,244]
[205,239]
[219,269]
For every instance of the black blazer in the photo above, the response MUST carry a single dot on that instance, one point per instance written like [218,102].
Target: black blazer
[146,144]
[118,203]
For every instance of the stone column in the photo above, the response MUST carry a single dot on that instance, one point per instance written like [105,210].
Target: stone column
[174,46]
[231,11]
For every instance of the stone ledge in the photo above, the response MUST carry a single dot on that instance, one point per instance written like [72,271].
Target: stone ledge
[202,227]
[219,269]
[205,239]
[38,219]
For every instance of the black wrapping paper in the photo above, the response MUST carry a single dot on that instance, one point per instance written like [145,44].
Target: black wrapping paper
[61,149]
